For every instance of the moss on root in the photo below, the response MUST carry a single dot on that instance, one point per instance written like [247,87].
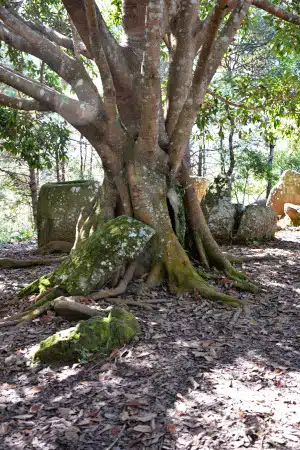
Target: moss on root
[89,336]
[40,285]
[183,277]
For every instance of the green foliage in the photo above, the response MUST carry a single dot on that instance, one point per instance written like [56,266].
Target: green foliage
[252,162]
[286,159]
[50,12]
[37,138]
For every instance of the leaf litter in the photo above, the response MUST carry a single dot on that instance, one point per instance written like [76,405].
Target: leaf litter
[200,376]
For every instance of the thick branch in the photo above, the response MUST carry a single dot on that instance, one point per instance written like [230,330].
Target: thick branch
[151,77]
[179,81]
[209,60]
[23,104]
[134,14]
[100,58]
[113,51]
[75,112]
[276,11]
[58,38]
[37,45]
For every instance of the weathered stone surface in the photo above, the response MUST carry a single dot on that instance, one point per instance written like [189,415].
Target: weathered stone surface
[59,207]
[96,261]
[293,212]
[286,191]
[200,185]
[220,188]
[221,220]
[90,336]
[258,223]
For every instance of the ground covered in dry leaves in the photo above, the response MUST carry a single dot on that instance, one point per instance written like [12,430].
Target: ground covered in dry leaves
[200,376]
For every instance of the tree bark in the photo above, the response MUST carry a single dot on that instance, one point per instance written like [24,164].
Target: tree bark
[270,165]
[33,192]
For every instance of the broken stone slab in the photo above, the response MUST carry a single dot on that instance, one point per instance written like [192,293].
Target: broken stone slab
[98,259]
[94,335]
[293,212]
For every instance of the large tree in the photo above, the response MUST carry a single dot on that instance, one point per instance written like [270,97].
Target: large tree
[141,136]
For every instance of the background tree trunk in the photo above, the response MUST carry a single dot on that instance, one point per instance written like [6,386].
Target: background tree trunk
[34,193]
[270,165]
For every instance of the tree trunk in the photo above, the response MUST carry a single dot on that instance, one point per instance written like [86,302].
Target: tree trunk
[63,170]
[231,151]
[141,191]
[270,164]
[58,179]
[33,193]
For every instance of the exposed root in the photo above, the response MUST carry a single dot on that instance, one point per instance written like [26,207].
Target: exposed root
[247,258]
[233,259]
[55,246]
[40,285]
[201,251]
[156,275]
[121,288]
[25,317]
[33,311]
[243,284]
[18,263]
[183,277]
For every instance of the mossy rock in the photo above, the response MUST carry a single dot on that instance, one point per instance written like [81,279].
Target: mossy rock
[89,336]
[95,262]
[59,206]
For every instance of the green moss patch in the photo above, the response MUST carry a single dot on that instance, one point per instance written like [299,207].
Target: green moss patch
[95,262]
[89,336]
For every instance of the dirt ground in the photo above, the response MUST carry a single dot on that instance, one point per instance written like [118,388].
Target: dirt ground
[200,375]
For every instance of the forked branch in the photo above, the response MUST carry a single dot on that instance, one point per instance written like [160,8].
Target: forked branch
[53,35]
[36,44]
